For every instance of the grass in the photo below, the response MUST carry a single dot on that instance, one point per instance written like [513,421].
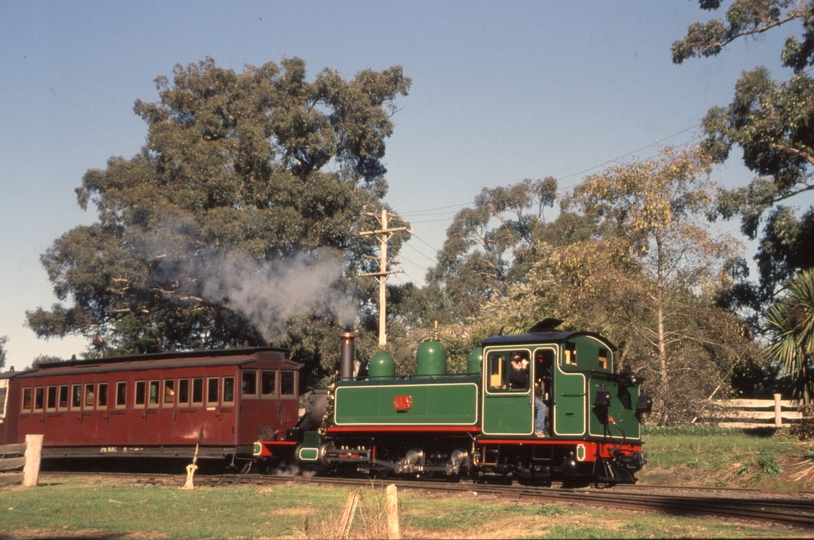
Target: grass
[709,456]
[93,509]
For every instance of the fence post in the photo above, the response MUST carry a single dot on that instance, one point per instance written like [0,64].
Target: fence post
[392,513]
[778,420]
[346,519]
[33,455]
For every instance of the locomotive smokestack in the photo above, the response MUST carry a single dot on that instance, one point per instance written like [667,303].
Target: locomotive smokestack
[346,355]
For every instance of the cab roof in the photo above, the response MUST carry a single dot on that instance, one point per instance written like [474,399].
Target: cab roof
[543,332]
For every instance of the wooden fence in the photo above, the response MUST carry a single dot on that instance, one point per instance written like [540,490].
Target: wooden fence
[754,413]
[21,462]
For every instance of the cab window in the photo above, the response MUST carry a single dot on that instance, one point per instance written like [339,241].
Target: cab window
[603,358]
[502,376]
[569,356]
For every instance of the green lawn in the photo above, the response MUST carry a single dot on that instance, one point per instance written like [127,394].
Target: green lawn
[717,457]
[69,506]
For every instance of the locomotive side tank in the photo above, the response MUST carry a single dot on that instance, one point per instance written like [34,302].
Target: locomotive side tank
[480,423]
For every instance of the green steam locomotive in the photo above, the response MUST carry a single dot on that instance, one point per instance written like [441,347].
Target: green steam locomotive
[479,424]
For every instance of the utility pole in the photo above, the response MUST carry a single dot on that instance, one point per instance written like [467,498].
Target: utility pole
[381,275]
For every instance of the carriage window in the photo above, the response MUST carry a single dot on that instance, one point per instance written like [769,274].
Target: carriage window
[228,390]
[52,399]
[63,398]
[287,383]
[154,393]
[248,386]
[169,393]
[212,391]
[141,395]
[102,396]
[197,391]
[121,394]
[268,383]
[89,396]
[76,396]
[39,399]
[26,400]
[183,392]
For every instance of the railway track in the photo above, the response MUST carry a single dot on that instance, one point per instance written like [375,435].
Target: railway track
[792,508]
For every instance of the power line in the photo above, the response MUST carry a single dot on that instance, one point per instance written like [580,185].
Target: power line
[420,253]
[425,243]
[433,209]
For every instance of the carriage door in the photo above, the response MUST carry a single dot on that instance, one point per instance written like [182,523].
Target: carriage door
[507,409]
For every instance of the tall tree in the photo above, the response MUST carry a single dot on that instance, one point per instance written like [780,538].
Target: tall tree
[791,324]
[489,246]
[659,208]
[248,189]
[772,123]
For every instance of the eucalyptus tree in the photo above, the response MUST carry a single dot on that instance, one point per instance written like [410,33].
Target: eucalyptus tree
[771,121]
[236,217]
[490,245]
[652,285]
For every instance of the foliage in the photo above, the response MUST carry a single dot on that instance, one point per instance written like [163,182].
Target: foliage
[491,245]
[3,341]
[245,178]
[652,285]
[771,122]
[791,324]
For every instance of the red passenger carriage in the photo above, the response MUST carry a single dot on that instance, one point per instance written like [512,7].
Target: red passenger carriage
[156,405]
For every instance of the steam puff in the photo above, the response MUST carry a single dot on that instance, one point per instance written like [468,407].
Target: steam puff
[268,294]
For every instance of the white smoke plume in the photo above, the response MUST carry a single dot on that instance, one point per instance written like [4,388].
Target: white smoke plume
[269,293]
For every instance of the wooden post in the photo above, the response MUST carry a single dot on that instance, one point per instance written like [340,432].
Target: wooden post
[33,456]
[778,419]
[192,467]
[346,519]
[392,512]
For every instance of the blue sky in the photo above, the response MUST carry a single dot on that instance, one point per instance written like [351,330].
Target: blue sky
[501,91]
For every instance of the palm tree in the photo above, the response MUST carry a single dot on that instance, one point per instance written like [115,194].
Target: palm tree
[791,321]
